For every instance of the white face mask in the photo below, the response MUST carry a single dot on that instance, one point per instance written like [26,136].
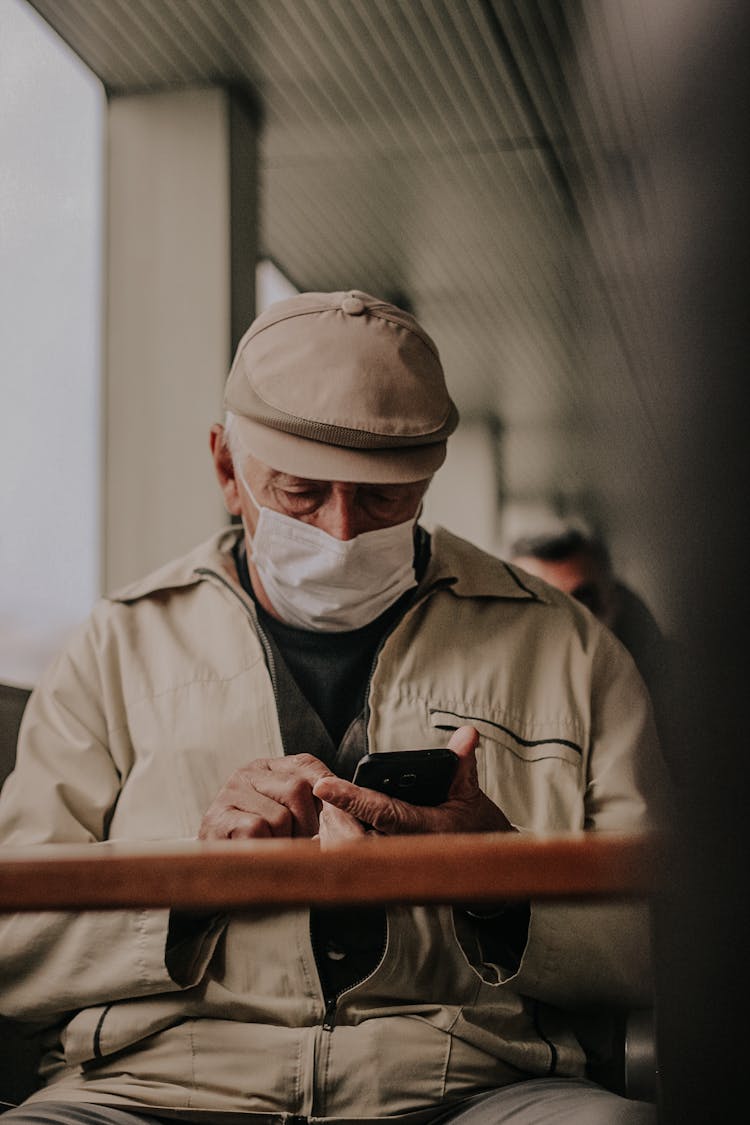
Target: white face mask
[315,581]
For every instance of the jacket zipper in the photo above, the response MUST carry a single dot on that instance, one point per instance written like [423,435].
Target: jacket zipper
[329,1016]
[330,1001]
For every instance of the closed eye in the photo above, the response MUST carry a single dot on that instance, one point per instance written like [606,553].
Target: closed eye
[303,500]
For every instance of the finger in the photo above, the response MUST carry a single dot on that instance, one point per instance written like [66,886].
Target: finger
[387,814]
[468,809]
[228,820]
[248,827]
[463,742]
[233,824]
[342,795]
[295,795]
[288,781]
[337,826]
[303,765]
[293,767]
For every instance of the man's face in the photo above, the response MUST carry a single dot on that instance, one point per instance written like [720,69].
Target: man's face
[341,509]
[579,575]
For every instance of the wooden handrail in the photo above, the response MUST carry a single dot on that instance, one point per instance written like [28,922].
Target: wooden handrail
[236,874]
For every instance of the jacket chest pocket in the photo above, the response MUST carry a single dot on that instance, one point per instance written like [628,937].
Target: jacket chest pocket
[534,774]
[186,743]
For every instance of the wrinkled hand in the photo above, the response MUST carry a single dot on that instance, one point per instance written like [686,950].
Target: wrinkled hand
[467,809]
[270,797]
[337,827]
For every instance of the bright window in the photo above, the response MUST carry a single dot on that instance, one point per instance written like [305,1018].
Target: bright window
[271,284]
[51,124]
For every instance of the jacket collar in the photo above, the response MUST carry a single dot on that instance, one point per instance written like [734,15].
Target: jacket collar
[467,570]
[214,554]
[473,573]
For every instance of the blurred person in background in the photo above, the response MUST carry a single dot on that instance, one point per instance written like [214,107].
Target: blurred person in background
[577,561]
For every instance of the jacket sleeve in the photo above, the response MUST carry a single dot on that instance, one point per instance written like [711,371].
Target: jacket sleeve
[579,954]
[73,756]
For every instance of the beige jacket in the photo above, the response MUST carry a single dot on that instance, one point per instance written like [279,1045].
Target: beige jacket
[164,693]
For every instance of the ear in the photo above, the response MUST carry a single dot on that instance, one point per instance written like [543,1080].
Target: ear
[224,469]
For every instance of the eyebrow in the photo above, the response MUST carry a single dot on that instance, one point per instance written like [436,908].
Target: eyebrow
[278,477]
[284,479]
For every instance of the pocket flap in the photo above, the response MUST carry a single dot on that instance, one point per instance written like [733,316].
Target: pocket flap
[544,744]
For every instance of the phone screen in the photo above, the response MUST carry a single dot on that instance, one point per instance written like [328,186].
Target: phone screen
[420,777]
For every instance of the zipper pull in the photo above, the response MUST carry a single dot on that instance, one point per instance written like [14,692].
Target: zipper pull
[329,1019]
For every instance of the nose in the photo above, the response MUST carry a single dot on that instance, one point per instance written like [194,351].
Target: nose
[338,516]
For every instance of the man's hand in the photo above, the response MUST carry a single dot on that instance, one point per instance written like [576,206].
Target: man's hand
[466,810]
[270,797]
[338,827]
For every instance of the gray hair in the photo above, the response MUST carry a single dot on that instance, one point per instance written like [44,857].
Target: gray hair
[232,438]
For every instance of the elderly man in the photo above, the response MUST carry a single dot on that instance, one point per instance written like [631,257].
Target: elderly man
[231,694]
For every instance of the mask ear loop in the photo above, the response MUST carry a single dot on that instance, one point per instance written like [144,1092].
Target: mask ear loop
[249,537]
[239,473]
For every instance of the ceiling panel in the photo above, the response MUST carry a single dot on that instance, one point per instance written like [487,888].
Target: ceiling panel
[476,159]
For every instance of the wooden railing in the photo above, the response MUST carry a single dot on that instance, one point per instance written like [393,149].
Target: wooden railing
[455,868]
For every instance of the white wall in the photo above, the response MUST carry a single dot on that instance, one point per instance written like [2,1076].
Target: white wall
[51,121]
[168,324]
[464,494]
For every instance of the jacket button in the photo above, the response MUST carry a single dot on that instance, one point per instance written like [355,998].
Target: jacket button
[334,952]
[352,305]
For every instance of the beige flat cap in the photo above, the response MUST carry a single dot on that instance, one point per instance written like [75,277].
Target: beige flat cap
[341,386]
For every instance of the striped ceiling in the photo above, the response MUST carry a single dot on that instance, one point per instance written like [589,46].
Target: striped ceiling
[476,159]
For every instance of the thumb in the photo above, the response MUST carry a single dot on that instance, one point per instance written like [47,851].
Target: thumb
[463,742]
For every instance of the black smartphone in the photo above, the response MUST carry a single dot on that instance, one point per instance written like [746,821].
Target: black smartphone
[421,777]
